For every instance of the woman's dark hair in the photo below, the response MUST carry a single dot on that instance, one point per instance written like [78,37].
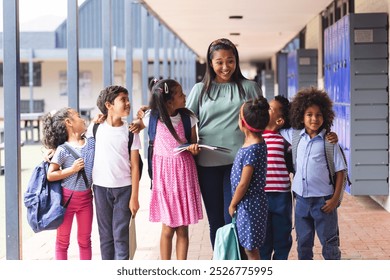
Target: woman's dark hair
[54,128]
[162,91]
[256,113]
[208,78]
[306,98]
[109,94]
[283,101]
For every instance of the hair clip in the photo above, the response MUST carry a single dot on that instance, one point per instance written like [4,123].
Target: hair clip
[166,90]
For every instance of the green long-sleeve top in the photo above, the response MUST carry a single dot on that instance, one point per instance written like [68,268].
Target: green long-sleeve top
[218,119]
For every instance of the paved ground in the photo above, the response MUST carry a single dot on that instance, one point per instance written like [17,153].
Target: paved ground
[364,228]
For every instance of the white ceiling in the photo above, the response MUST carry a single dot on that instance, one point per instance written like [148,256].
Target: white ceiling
[266,27]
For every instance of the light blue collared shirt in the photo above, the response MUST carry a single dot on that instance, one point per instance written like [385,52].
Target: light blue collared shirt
[312,177]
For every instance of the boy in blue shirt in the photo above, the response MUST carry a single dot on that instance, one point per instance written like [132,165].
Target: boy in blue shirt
[316,198]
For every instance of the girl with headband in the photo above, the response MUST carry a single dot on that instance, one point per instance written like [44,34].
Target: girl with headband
[248,178]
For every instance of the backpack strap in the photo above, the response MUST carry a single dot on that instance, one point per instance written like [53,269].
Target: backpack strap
[329,156]
[296,137]
[152,126]
[94,129]
[288,156]
[70,149]
[131,138]
[187,126]
[152,135]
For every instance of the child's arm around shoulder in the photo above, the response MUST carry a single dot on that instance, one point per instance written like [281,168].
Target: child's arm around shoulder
[137,125]
[287,134]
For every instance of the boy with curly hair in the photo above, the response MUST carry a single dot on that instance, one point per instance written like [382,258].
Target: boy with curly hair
[316,198]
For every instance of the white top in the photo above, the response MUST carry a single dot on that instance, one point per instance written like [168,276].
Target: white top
[111,167]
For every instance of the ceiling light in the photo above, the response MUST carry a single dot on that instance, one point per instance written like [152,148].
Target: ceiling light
[235,17]
[235,34]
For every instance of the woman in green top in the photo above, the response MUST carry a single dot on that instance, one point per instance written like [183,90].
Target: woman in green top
[217,101]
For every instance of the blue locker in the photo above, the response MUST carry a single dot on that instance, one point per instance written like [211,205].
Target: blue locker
[326,60]
[302,70]
[358,86]
[333,61]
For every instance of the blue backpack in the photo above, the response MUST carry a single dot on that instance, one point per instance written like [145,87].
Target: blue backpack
[152,135]
[43,199]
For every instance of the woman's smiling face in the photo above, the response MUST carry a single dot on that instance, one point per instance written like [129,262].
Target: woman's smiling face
[223,63]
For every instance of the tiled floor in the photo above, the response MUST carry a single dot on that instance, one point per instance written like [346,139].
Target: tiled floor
[364,229]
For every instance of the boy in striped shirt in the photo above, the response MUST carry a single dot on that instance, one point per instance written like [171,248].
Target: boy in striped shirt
[278,240]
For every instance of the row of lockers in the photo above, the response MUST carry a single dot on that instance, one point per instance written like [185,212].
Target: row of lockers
[356,78]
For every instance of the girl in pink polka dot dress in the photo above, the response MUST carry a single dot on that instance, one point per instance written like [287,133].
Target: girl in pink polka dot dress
[175,199]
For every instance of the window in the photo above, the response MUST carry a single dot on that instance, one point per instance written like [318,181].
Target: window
[85,83]
[24,74]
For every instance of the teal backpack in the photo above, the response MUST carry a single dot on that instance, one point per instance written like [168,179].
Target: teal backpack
[226,246]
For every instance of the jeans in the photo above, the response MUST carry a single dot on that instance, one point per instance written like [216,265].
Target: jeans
[217,194]
[113,217]
[310,218]
[80,205]
[278,239]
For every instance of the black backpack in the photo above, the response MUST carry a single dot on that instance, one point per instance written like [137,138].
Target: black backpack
[131,138]
[288,157]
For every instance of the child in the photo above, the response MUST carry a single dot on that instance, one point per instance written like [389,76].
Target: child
[115,183]
[66,125]
[316,199]
[248,178]
[278,239]
[175,200]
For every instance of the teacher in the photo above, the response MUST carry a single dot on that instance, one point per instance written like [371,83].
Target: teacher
[216,100]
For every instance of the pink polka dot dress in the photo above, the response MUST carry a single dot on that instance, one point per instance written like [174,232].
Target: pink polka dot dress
[176,199]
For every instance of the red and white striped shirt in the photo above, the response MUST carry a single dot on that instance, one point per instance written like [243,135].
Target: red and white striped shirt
[278,179]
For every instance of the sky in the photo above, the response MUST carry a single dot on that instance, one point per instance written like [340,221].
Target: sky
[43,15]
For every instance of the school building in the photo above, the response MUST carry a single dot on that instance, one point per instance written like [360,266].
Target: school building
[342,47]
